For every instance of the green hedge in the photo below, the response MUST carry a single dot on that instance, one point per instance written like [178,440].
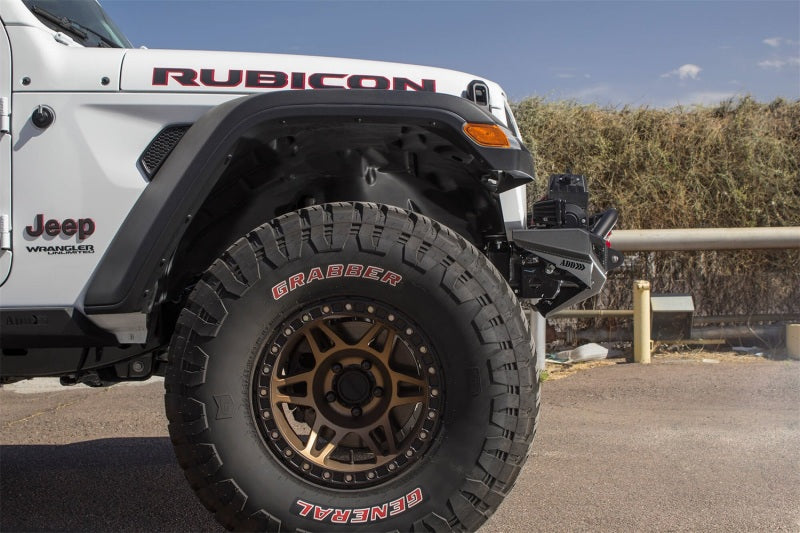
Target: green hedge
[733,165]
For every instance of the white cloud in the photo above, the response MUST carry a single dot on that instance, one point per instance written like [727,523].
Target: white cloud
[776,42]
[778,64]
[687,71]
[564,75]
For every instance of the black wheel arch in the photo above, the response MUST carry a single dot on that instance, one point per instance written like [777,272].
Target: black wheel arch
[257,157]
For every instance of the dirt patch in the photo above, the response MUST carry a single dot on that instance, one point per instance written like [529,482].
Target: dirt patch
[700,356]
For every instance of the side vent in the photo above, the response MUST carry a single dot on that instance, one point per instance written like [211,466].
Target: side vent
[160,147]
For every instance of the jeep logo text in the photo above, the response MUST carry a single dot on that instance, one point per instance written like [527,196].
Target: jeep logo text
[83,227]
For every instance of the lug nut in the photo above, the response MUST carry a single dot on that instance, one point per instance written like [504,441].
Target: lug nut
[331,397]
[336,367]
[366,365]
[378,392]
[355,411]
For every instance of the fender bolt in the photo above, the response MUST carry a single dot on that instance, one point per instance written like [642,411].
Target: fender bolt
[274,348]
[326,309]
[370,309]
[391,318]
[306,318]
[423,349]
[287,331]
[370,475]
[267,369]
[431,370]
[326,475]
[287,452]
[349,307]
[431,414]
[306,466]
[434,392]
[409,331]
[348,478]
[423,435]
[263,392]
[392,466]
[266,415]
[274,434]
[409,453]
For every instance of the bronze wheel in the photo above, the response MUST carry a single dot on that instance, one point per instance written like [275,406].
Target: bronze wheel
[351,367]
[348,393]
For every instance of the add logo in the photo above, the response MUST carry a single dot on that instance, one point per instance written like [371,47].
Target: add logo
[83,227]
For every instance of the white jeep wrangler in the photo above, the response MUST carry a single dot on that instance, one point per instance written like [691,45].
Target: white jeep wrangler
[323,256]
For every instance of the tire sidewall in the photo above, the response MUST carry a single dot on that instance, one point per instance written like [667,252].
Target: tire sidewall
[236,349]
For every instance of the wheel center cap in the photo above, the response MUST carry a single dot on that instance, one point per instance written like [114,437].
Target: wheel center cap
[354,386]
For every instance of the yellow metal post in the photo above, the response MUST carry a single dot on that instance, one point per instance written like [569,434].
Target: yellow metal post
[793,340]
[641,322]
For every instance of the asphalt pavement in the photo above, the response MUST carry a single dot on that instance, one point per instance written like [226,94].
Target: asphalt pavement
[674,446]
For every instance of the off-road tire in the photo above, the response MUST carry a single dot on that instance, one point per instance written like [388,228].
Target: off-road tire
[451,310]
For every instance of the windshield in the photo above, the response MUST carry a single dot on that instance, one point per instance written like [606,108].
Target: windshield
[83,20]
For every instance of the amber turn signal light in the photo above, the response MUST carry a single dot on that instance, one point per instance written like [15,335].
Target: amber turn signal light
[487,135]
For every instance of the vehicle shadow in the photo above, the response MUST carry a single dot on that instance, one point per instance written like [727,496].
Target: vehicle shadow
[126,484]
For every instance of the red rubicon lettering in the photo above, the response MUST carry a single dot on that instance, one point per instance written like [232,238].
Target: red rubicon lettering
[266,79]
[183,76]
[367,82]
[208,78]
[275,79]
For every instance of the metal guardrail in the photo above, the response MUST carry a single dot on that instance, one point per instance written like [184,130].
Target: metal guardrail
[659,240]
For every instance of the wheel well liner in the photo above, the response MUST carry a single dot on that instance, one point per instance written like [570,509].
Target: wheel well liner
[142,250]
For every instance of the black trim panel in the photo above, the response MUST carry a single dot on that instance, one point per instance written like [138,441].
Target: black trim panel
[138,256]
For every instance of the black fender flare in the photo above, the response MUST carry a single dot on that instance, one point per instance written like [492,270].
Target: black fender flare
[125,279]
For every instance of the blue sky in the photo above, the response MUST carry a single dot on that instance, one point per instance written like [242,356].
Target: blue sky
[639,53]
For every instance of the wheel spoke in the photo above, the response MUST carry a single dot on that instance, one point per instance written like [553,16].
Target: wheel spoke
[297,379]
[337,341]
[305,401]
[371,334]
[388,432]
[322,455]
[410,399]
[386,353]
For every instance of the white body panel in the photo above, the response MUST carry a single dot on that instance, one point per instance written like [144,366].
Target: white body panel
[108,108]
[5,154]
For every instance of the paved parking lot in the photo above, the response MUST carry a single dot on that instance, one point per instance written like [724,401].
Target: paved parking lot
[676,446]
